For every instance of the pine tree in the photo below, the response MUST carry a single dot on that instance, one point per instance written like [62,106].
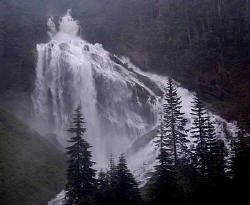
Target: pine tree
[240,164]
[199,134]
[160,187]
[80,187]
[209,155]
[103,188]
[112,172]
[211,145]
[171,142]
[127,188]
[241,155]
[211,134]
[112,181]
[216,154]
[165,157]
[174,123]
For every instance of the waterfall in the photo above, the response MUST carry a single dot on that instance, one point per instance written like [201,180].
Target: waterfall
[118,102]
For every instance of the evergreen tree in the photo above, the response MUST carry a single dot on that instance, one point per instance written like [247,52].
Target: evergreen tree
[171,142]
[81,183]
[216,154]
[161,185]
[240,165]
[174,123]
[241,157]
[112,172]
[112,181]
[209,155]
[199,132]
[103,194]
[127,188]
[165,157]
[211,134]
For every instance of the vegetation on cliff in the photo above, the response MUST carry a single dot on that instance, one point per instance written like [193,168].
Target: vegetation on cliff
[32,170]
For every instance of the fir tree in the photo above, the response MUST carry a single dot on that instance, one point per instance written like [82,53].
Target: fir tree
[240,165]
[199,133]
[174,123]
[165,157]
[112,181]
[241,156]
[127,188]
[161,184]
[80,187]
[103,188]
[171,142]
[209,155]
[112,172]
[216,154]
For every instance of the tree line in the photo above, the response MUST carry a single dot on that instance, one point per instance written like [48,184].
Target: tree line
[200,168]
[189,170]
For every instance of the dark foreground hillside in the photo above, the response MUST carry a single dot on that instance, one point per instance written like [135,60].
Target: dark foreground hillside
[31,168]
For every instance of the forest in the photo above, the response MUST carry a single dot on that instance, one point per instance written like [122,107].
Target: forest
[204,172]
[120,88]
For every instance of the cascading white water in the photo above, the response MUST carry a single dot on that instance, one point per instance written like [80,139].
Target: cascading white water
[118,102]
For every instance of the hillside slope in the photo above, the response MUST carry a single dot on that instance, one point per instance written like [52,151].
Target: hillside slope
[31,168]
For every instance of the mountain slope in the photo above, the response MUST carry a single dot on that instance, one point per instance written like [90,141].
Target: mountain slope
[31,168]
